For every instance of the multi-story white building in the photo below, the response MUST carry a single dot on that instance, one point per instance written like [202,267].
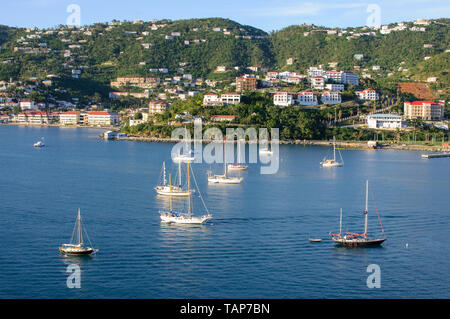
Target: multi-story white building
[335,87]
[230,98]
[368,95]
[27,105]
[314,71]
[317,82]
[385,121]
[427,110]
[307,98]
[37,118]
[102,118]
[331,97]
[211,100]
[69,118]
[283,99]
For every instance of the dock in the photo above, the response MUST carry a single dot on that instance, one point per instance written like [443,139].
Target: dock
[436,155]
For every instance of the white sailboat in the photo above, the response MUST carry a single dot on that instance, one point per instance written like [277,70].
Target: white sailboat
[333,162]
[39,143]
[172,216]
[169,189]
[265,151]
[237,166]
[224,179]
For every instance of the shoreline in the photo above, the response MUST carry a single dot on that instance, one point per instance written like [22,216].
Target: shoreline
[347,145]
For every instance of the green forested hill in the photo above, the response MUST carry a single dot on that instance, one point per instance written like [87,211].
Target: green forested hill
[107,51]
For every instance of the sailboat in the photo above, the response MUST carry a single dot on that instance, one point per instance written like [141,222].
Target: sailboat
[237,166]
[265,151]
[169,189]
[355,239]
[80,248]
[224,179]
[39,143]
[332,162]
[172,216]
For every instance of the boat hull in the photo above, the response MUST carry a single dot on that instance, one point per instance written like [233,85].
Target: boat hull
[224,181]
[237,167]
[358,242]
[183,219]
[80,252]
[335,164]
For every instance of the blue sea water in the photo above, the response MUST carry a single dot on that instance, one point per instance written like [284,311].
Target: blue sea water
[255,247]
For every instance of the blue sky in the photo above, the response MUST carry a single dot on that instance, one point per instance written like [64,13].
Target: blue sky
[266,15]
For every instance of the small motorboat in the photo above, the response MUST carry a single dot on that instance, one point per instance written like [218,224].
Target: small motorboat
[315,240]
[39,144]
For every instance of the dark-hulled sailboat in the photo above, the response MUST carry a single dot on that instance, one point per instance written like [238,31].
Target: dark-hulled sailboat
[355,239]
[80,248]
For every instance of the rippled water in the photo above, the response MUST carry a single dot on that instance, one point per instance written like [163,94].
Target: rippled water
[255,247]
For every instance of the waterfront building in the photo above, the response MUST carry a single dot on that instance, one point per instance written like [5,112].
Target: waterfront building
[69,118]
[306,98]
[102,118]
[367,95]
[392,121]
[426,110]
[331,97]
[283,99]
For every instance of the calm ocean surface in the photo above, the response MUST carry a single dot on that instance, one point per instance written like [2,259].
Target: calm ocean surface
[255,247]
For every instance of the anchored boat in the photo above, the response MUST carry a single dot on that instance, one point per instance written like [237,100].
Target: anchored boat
[333,162]
[224,179]
[172,216]
[79,248]
[169,189]
[237,166]
[355,239]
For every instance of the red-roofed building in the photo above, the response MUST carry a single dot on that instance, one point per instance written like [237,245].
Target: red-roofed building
[426,110]
[367,95]
[69,118]
[331,97]
[37,118]
[102,118]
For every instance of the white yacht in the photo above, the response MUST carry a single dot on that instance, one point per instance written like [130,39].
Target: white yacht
[173,216]
[332,162]
[39,143]
[169,189]
[224,179]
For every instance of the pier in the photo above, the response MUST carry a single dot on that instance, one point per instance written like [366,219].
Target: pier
[436,155]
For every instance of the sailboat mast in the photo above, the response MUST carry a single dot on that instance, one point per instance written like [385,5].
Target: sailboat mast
[224,160]
[340,224]
[367,207]
[170,191]
[189,187]
[334,148]
[80,240]
[179,173]
[164,173]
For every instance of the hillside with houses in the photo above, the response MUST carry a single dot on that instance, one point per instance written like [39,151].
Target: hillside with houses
[149,75]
